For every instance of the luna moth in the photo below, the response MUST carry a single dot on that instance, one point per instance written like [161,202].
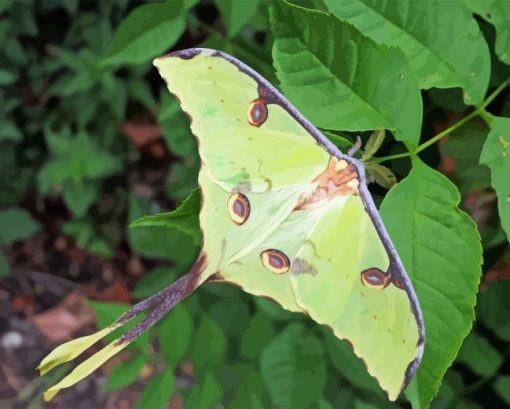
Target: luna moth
[284,215]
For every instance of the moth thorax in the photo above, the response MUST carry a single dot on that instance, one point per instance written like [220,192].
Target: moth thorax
[375,278]
[275,261]
[239,208]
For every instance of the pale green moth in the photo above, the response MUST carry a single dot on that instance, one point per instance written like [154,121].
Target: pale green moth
[284,215]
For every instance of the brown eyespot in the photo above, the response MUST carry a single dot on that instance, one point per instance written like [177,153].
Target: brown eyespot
[375,278]
[257,114]
[239,208]
[275,261]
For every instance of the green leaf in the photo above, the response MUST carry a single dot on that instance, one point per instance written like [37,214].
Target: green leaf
[4,264]
[75,164]
[440,248]
[256,337]
[176,127]
[148,31]
[496,12]
[9,131]
[125,373]
[108,312]
[210,344]
[293,368]
[250,393]
[373,144]
[175,334]
[17,224]
[341,142]
[231,313]
[159,241]
[71,84]
[206,395]
[440,39]
[184,218]
[154,281]
[182,178]
[79,197]
[324,404]
[494,308]
[361,404]
[496,155]
[340,79]
[7,77]
[236,13]
[479,355]
[85,235]
[158,392]
[450,387]
[502,387]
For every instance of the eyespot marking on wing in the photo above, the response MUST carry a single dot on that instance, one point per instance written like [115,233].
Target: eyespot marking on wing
[275,261]
[257,114]
[239,208]
[374,278]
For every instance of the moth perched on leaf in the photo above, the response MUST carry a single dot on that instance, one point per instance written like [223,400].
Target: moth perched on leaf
[284,215]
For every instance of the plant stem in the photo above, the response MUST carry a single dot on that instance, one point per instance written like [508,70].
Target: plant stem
[479,111]
[389,157]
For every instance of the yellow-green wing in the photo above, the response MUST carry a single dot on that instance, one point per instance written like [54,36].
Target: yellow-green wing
[290,219]
[257,150]
[343,277]
[249,144]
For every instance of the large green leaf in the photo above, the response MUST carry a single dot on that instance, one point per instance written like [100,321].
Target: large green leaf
[293,368]
[341,79]
[496,12]
[440,248]
[440,39]
[496,155]
[150,30]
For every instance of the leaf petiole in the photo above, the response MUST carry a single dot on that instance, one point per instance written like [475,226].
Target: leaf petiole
[479,111]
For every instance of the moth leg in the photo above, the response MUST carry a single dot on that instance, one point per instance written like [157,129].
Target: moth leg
[356,147]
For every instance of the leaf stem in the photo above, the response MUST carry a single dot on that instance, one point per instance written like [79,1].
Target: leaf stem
[479,111]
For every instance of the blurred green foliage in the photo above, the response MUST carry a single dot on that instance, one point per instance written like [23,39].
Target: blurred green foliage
[73,73]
